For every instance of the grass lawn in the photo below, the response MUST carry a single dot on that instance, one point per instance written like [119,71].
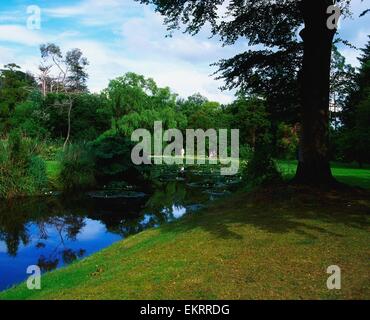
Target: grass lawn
[270,244]
[349,174]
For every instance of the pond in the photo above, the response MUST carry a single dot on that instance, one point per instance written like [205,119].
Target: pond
[53,231]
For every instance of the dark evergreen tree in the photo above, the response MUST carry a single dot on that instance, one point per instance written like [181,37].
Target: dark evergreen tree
[355,134]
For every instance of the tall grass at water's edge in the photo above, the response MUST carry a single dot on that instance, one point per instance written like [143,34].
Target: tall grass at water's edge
[76,168]
[22,171]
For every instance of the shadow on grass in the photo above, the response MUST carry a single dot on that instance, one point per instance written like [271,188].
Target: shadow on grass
[282,210]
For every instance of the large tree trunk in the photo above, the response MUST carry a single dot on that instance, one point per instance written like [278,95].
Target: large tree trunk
[314,167]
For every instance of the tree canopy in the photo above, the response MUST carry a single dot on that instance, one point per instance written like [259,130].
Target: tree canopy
[291,45]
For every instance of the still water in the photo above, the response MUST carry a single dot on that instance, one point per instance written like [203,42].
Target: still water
[53,231]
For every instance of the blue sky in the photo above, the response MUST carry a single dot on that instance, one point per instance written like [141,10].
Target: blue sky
[118,36]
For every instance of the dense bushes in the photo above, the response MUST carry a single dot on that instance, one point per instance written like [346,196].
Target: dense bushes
[287,142]
[37,172]
[261,169]
[22,172]
[353,144]
[101,126]
[112,153]
[77,168]
[31,118]
[104,163]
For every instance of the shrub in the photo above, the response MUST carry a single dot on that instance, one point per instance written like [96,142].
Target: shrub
[30,118]
[77,168]
[245,152]
[262,169]
[113,162]
[287,141]
[10,175]
[37,173]
[22,173]
[50,151]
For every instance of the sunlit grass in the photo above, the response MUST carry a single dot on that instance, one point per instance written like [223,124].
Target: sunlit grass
[265,245]
[346,173]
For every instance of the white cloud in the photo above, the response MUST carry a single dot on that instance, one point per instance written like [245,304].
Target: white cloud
[184,78]
[11,17]
[358,6]
[21,35]
[3,247]
[135,41]
[359,41]
[92,230]
[147,35]
[140,45]
[6,55]
[87,7]
[94,12]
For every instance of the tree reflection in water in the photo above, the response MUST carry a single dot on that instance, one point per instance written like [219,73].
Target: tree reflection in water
[53,231]
[36,221]
[66,227]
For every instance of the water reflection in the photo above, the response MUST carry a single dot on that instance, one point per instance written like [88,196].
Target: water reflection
[51,232]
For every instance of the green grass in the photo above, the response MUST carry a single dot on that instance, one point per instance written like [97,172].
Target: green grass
[349,174]
[271,244]
[53,171]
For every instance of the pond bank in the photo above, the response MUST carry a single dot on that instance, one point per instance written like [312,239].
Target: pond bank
[273,244]
[54,230]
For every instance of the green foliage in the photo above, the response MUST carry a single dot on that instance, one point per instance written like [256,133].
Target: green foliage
[72,67]
[209,115]
[77,168]
[342,82]
[91,116]
[14,88]
[51,151]
[22,172]
[10,175]
[136,102]
[202,113]
[145,119]
[245,152]
[271,68]
[352,141]
[30,117]
[353,144]
[37,173]
[192,104]
[112,153]
[287,142]
[17,149]
[129,93]
[261,169]
[251,118]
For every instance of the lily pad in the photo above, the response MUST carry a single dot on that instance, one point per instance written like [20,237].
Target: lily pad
[116,195]
[194,207]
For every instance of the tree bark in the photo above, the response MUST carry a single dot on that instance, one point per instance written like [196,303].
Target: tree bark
[69,123]
[314,166]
